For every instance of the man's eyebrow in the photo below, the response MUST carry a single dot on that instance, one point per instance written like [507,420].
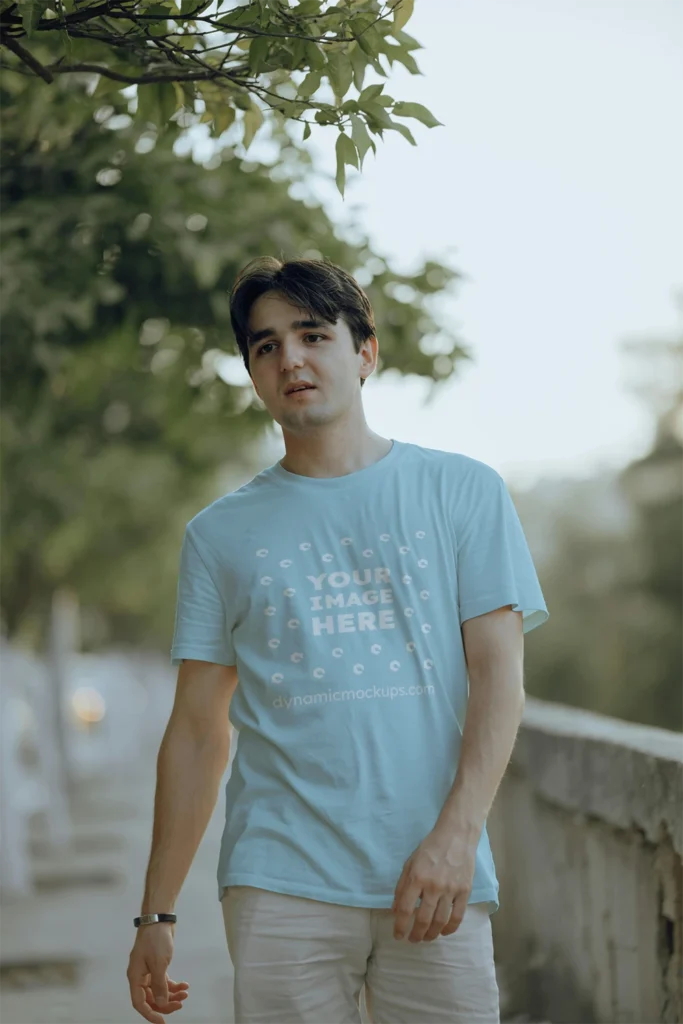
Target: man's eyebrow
[296,325]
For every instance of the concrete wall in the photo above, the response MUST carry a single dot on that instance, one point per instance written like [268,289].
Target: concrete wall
[587,833]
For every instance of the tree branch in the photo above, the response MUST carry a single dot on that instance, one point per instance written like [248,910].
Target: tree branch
[105,9]
[27,58]
[117,76]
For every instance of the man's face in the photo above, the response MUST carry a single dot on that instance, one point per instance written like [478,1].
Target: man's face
[289,347]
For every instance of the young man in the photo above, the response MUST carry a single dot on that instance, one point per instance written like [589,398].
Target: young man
[358,609]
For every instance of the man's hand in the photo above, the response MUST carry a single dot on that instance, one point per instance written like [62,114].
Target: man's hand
[440,874]
[151,990]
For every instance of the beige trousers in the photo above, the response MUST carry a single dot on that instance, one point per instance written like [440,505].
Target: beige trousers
[301,961]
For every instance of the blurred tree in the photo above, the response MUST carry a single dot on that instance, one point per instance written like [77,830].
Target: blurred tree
[615,588]
[590,653]
[117,355]
[655,486]
[225,64]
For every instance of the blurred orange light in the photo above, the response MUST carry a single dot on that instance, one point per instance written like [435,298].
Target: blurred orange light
[88,704]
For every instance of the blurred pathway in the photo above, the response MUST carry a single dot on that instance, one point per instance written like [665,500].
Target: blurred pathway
[83,911]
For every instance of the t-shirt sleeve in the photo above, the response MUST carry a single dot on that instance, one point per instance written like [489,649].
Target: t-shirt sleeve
[202,624]
[494,564]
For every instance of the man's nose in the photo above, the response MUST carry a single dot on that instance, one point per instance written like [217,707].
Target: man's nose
[291,354]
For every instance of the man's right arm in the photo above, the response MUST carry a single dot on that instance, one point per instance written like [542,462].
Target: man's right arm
[192,759]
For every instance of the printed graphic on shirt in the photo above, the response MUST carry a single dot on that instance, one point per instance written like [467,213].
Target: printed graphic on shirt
[367,614]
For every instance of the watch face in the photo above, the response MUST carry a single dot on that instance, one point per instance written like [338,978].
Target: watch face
[153,919]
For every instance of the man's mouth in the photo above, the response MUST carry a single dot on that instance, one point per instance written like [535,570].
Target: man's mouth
[299,387]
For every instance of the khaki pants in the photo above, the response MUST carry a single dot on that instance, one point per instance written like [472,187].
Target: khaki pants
[301,961]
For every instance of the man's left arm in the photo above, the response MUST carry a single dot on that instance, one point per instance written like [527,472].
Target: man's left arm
[441,870]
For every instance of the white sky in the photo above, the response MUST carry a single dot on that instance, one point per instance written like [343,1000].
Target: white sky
[555,186]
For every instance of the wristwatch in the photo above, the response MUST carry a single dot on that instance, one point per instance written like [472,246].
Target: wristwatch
[154,918]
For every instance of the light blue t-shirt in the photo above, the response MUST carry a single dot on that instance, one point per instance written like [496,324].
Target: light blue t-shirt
[340,601]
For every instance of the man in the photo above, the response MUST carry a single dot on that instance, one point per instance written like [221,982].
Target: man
[358,609]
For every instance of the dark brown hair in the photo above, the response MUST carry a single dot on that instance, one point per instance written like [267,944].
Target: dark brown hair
[318,286]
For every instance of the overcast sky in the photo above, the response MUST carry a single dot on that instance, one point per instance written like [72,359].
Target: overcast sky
[555,186]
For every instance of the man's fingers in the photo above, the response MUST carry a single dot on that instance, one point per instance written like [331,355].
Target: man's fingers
[173,997]
[159,986]
[398,892]
[152,992]
[442,914]
[140,1003]
[423,919]
[160,997]
[401,923]
[457,914]
[174,1003]
[404,909]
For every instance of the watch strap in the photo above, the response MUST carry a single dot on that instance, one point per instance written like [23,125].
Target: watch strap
[154,919]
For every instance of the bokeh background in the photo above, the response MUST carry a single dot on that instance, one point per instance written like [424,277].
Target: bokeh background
[525,264]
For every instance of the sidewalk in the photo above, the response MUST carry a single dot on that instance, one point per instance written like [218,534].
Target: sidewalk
[83,911]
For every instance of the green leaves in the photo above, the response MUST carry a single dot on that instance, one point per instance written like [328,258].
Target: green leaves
[158,27]
[31,12]
[376,105]
[417,111]
[371,93]
[267,58]
[314,56]
[224,116]
[359,63]
[346,154]
[361,139]
[306,8]
[118,421]
[310,84]
[253,119]
[157,103]
[258,54]
[347,150]
[403,11]
[404,131]
[241,17]
[377,117]
[340,74]
[370,41]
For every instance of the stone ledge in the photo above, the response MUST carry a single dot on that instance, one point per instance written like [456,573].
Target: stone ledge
[627,775]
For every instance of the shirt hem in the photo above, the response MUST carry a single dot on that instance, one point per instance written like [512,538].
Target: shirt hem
[193,653]
[483,894]
[533,614]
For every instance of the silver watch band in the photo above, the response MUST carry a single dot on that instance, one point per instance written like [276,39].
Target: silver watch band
[154,919]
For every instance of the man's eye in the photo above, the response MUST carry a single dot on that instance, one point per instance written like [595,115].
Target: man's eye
[264,349]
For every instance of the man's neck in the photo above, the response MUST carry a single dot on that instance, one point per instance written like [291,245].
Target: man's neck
[332,457]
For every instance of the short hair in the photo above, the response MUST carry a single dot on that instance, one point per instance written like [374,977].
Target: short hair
[321,287]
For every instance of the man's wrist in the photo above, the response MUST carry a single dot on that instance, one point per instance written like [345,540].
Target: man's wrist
[162,902]
[149,919]
[461,825]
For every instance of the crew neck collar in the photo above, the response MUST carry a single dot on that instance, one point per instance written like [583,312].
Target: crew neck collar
[326,483]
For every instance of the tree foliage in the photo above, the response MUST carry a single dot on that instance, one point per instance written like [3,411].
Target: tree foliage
[119,400]
[654,484]
[226,64]
[613,642]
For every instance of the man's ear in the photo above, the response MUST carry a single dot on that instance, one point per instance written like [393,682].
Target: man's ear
[372,338]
